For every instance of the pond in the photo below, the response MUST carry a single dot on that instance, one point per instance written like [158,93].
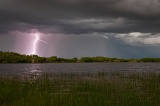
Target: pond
[38,69]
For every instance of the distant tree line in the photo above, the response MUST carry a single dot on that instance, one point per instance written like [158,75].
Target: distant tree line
[11,57]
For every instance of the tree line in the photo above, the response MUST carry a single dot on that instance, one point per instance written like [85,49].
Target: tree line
[12,57]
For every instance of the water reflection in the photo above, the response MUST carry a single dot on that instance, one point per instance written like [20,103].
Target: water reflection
[40,69]
[33,70]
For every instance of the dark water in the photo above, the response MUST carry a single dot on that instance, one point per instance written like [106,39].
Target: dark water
[37,69]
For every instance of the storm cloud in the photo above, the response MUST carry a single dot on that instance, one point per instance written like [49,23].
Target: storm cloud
[121,22]
[81,16]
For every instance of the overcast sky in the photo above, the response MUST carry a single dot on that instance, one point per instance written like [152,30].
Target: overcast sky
[77,28]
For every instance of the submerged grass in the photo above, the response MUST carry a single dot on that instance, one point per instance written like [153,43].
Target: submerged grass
[101,89]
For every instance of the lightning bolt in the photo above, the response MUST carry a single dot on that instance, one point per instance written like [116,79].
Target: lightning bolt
[35,43]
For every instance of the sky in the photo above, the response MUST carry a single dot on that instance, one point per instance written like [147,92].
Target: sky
[79,28]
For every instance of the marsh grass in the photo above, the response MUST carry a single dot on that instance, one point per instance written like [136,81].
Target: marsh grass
[101,89]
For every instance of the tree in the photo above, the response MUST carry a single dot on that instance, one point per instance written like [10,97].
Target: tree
[74,59]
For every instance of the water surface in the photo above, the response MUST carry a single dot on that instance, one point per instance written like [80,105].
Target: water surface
[37,69]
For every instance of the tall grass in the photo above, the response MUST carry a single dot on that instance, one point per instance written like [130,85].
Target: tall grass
[99,89]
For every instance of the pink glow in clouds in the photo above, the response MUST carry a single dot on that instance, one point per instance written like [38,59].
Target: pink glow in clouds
[35,42]
[31,43]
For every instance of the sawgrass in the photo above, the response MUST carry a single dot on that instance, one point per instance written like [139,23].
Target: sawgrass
[100,89]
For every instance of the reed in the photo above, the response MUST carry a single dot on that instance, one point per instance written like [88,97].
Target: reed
[100,89]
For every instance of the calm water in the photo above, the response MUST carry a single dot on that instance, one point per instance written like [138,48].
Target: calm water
[37,69]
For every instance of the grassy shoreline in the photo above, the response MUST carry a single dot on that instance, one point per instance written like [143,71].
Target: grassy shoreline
[101,89]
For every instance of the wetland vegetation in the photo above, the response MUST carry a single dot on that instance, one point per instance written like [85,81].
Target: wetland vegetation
[11,57]
[69,85]
[98,89]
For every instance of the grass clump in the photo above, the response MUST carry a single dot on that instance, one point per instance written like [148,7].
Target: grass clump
[100,89]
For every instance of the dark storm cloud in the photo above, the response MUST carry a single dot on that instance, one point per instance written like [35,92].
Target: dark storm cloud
[80,16]
[114,28]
